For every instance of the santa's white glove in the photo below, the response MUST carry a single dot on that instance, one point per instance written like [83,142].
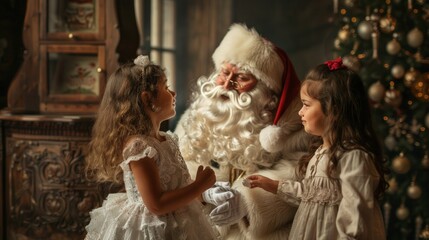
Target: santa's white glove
[218,194]
[229,212]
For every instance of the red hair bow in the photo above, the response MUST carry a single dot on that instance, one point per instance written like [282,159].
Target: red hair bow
[335,64]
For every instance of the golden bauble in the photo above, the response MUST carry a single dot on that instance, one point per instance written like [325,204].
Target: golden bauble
[415,38]
[365,29]
[393,47]
[397,71]
[425,233]
[387,24]
[393,97]
[402,212]
[390,142]
[337,43]
[411,76]
[344,34]
[401,164]
[414,191]
[376,91]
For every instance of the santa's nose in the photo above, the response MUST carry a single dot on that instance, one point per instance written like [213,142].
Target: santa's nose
[228,84]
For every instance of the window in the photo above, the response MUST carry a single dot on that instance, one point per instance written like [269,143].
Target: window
[156,24]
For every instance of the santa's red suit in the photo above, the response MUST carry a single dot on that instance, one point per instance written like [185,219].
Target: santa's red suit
[251,132]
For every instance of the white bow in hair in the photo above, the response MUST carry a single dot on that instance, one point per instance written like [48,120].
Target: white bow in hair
[142,60]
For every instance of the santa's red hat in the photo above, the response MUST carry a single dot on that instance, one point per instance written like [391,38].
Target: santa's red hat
[245,48]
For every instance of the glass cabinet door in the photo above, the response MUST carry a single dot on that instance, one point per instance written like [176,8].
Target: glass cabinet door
[72,20]
[71,75]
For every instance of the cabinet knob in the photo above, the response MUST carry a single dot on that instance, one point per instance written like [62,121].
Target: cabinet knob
[99,69]
[71,36]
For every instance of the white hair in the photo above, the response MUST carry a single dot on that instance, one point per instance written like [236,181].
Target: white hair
[224,126]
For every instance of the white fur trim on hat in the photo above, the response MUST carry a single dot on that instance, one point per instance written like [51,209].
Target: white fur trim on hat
[245,48]
[271,138]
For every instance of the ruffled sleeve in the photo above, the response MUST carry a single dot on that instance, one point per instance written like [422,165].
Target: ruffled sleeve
[136,149]
[358,178]
[290,191]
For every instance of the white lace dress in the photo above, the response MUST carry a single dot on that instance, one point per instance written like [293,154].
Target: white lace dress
[342,207]
[123,216]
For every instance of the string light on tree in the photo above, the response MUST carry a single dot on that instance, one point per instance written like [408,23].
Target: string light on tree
[420,87]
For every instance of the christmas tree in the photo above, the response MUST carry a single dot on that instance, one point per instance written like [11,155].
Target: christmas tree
[387,43]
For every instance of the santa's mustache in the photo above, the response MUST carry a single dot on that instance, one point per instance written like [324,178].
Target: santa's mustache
[213,91]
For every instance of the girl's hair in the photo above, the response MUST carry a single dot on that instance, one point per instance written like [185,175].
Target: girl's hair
[121,115]
[345,103]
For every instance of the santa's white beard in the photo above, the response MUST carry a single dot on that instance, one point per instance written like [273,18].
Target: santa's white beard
[224,126]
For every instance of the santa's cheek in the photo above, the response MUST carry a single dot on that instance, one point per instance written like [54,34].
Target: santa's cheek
[246,88]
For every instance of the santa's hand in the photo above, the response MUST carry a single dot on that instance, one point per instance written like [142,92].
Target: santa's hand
[229,212]
[218,194]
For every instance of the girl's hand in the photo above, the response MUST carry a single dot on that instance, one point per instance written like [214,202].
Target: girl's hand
[205,177]
[263,182]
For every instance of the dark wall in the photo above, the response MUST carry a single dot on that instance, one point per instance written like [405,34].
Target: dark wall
[11,47]
[302,28]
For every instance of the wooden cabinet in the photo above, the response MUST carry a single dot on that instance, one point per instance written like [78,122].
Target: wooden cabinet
[47,195]
[70,49]
[69,52]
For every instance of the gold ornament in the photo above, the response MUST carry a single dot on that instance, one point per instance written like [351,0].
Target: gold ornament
[344,34]
[393,97]
[393,47]
[411,76]
[390,142]
[387,24]
[415,38]
[349,3]
[402,212]
[401,164]
[376,91]
[337,43]
[420,87]
[425,233]
[414,191]
[397,71]
[365,29]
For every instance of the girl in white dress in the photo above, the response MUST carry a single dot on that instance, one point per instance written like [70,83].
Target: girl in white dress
[340,180]
[127,146]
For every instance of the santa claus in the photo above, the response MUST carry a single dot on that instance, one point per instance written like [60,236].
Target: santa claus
[244,120]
